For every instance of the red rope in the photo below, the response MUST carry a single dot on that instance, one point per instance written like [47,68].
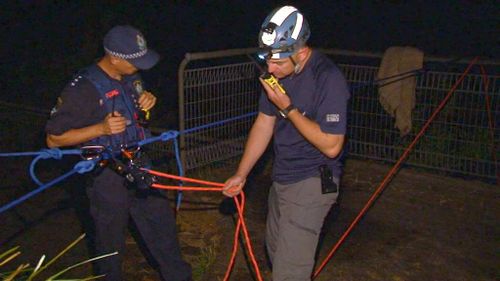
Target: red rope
[393,171]
[240,207]
[240,225]
[169,176]
[235,250]
[491,123]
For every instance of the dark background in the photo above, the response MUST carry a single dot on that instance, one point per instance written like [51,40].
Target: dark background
[45,42]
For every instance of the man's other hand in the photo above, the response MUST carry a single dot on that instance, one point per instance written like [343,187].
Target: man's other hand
[114,123]
[233,186]
[147,100]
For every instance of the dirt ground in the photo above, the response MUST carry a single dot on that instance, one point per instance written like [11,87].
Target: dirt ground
[423,227]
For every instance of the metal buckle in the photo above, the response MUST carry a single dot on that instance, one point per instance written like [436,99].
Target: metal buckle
[91,152]
[130,151]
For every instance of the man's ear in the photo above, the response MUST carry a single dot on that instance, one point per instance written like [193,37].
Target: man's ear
[302,54]
[114,60]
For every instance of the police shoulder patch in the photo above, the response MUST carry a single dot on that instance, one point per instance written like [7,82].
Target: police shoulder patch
[333,117]
[138,86]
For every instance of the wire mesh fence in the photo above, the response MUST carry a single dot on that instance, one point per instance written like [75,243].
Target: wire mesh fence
[459,140]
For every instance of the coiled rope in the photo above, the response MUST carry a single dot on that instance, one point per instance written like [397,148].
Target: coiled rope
[240,205]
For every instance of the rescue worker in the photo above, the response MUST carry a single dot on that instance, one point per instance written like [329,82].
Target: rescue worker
[305,116]
[103,106]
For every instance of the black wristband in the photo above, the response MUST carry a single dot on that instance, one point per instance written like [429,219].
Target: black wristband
[284,112]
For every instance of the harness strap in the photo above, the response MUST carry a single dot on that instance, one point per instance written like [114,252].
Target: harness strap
[117,96]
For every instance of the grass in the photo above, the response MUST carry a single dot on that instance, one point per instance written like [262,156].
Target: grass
[25,272]
[204,261]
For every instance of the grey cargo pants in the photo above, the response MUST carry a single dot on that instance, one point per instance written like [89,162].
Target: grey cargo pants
[294,220]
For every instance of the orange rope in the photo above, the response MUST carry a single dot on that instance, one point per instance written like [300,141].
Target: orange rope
[393,171]
[247,236]
[169,176]
[235,250]
[240,206]
[186,188]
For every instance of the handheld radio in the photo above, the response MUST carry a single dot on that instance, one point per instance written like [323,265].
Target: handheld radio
[272,81]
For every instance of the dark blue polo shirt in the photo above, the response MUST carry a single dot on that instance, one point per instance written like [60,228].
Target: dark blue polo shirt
[320,92]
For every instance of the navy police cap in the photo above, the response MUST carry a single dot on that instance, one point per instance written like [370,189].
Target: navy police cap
[126,42]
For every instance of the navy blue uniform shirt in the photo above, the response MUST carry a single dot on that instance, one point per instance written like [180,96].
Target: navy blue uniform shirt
[81,105]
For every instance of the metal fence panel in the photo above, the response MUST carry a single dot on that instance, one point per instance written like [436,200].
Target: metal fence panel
[213,94]
[458,141]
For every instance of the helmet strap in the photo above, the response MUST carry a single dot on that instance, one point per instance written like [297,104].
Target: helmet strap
[296,66]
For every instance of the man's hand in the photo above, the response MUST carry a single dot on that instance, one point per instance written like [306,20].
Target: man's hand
[233,186]
[275,95]
[147,100]
[114,123]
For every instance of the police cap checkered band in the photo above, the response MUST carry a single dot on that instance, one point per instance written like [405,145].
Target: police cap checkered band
[127,56]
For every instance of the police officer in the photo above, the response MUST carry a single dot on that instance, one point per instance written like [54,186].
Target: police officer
[306,118]
[103,105]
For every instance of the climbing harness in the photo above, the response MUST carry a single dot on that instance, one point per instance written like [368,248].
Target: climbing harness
[119,97]
[129,163]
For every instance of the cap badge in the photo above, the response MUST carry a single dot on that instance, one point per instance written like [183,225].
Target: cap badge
[141,42]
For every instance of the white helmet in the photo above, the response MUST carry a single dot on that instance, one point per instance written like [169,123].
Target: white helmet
[284,31]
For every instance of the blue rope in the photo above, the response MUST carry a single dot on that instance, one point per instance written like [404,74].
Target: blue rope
[85,166]
[191,130]
[49,153]
[166,136]
[180,171]
[10,154]
[162,137]
[80,167]
[32,170]
[55,153]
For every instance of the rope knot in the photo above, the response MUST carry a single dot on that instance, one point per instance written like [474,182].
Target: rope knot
[84,166]
[55,153]
[169,135]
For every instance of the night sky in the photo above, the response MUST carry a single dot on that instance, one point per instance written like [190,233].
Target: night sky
[45,42]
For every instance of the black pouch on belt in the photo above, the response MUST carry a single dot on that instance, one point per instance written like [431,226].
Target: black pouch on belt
[327,183]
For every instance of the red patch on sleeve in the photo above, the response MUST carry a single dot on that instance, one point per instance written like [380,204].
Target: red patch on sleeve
[112,93]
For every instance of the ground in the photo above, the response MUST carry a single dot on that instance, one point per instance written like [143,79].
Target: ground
[424,226]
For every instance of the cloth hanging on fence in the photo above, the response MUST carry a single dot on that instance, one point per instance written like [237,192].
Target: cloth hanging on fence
[397,95]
